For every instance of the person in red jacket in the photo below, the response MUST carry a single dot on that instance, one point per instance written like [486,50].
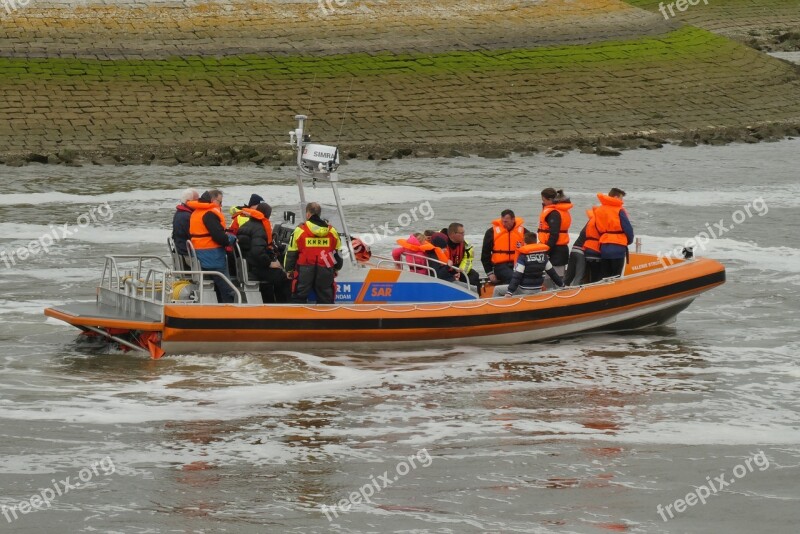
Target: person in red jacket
[313,259]
[180,225]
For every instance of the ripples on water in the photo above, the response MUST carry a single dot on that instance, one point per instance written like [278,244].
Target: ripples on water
[581,435]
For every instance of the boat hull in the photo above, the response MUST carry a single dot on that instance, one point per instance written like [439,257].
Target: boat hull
[650,293]
[629,303]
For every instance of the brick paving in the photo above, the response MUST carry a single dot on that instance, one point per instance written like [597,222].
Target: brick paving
[756,22]
[203,82]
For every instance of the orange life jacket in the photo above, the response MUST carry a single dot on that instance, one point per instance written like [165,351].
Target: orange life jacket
[257,215]
[411,246]
[441,254]
[534,247]
[566,220]
[506,243]
[316,250]
[592,241]
[608,222]
[200,237]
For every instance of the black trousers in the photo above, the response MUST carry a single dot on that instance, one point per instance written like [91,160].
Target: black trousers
[576,268]
[595,268]
[612,267]
[275,287]
[316,277]
[504,272]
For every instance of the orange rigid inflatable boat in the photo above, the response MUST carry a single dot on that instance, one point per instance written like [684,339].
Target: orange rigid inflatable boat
[146,304]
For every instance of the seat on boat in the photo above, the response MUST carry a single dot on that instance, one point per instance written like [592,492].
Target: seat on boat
[208,295]
[178,263]
[250,289]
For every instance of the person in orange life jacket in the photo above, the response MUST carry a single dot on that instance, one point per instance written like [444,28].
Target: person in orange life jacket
[576,266]
[500,244]
[180,225]
[554,223]
[591,248]
[442,265]
[615,231]
[461,253]
[585,256]
[532,262]
[313,259]
[410,251]
[255,241]
[207,228]
[239,217]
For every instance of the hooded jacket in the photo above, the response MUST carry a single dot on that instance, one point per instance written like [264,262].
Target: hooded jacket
[180,228]
[314,242]
[414,254]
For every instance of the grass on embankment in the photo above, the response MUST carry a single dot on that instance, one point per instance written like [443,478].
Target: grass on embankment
[685,43]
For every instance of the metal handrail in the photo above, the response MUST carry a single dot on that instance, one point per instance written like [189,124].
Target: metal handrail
[203,274]
[428,268]
[155,280]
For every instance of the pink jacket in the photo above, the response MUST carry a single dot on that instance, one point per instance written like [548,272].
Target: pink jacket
[414,256]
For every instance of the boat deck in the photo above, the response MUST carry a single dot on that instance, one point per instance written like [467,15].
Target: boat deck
[103,316]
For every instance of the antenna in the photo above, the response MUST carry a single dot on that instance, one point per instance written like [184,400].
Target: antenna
[346,104]
[311,95]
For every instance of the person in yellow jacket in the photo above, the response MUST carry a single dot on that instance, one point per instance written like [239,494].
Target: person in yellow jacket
[313,259]
[461,253]
[239,216]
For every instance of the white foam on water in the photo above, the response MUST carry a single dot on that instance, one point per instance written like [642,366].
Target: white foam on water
[274,194]
[90,234]
[55,274]
[782,196]
[747,254]
[30,307]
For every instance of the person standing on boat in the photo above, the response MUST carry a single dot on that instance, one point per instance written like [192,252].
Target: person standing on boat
[554,223]
[180,225]
[500,245]
[255,241]
[461,253]
[207,230]
[532,262]
[239,216]
[616,232]
[585,255]
[313,259]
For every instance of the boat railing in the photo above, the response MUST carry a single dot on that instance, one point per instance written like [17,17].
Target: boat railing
[111,278]
[202,285]
[415,267]
[156,285]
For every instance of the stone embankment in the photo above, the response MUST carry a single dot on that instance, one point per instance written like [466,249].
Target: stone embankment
[218,84]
